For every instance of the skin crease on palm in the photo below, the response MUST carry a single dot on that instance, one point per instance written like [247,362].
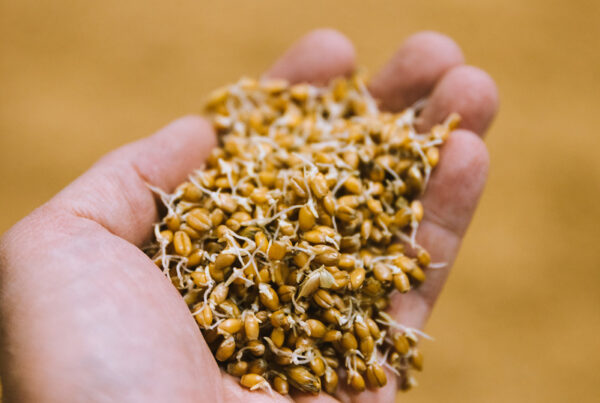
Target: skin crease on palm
[86,316]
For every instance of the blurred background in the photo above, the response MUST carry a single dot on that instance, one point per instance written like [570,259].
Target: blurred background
[520,317]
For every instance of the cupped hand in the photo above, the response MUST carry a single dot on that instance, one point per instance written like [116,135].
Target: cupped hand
[87,316]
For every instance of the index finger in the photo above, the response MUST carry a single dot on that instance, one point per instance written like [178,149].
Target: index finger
[316,58]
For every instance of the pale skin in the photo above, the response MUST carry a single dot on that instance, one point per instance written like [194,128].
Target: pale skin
[86,316]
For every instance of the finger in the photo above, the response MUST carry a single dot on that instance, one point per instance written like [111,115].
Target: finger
[387,393]
[317,57]
[114,191]
[467,90]
[449,203]
[414,69]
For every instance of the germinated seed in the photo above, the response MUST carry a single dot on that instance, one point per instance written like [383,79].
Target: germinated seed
[285,245]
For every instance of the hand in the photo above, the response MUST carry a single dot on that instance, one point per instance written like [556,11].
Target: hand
[87,316]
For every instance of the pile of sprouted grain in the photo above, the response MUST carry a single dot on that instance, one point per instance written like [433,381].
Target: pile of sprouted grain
[287,245]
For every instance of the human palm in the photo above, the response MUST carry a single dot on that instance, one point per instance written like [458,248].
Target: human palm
[87,316]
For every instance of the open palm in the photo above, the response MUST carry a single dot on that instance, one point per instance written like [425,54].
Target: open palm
[86,316]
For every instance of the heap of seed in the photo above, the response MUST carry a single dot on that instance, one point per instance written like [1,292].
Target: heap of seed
[288,243]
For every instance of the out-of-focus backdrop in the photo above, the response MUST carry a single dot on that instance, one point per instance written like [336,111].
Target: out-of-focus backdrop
[519,319]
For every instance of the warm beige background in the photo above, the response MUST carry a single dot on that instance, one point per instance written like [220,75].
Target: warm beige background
[519,320]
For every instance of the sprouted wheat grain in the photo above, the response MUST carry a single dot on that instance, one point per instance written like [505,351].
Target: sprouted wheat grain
[288,243]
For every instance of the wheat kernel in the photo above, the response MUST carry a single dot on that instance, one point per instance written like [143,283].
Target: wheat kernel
[182,243]
[252,380]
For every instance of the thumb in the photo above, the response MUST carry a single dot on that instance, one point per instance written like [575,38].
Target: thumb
[114,191]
